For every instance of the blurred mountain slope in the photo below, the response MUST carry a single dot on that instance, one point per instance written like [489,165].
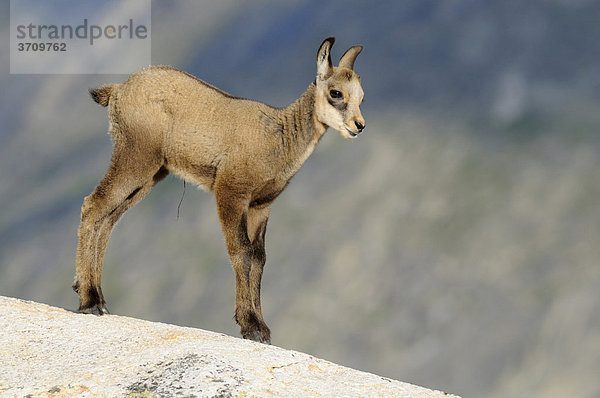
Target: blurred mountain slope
[460,228]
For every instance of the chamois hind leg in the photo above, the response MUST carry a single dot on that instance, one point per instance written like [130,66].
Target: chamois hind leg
[233,214]
[109,222]
[257,227]
[127,181]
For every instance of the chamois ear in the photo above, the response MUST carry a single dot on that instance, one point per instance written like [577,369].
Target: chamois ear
[347,60]
[324,63]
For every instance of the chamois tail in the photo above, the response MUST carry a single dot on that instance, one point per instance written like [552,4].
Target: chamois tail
[102,94]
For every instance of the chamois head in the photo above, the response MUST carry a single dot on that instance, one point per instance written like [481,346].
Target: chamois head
[339,93]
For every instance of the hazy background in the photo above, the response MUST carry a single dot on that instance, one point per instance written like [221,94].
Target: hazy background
[454,244]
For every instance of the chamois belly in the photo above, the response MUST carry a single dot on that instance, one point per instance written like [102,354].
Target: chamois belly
[201,175]
[194,157]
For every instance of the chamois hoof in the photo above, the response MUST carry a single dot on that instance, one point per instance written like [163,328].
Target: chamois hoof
[257,336]
[257,331]
[252,328]
[98,309]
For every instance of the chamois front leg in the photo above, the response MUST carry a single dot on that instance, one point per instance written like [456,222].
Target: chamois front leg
[233,214]
[257,227]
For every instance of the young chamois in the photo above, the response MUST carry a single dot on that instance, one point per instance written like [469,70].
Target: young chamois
[166,121]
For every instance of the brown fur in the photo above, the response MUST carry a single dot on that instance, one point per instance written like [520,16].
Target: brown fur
[102,94]
[163,120]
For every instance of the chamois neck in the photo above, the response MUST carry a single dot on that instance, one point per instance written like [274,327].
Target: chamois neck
[300,127]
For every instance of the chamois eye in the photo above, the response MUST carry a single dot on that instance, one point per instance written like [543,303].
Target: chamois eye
[336,94]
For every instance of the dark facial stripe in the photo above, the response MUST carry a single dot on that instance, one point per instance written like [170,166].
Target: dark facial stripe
[339,105]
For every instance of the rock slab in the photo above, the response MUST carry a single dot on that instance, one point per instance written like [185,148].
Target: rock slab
[51,352]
